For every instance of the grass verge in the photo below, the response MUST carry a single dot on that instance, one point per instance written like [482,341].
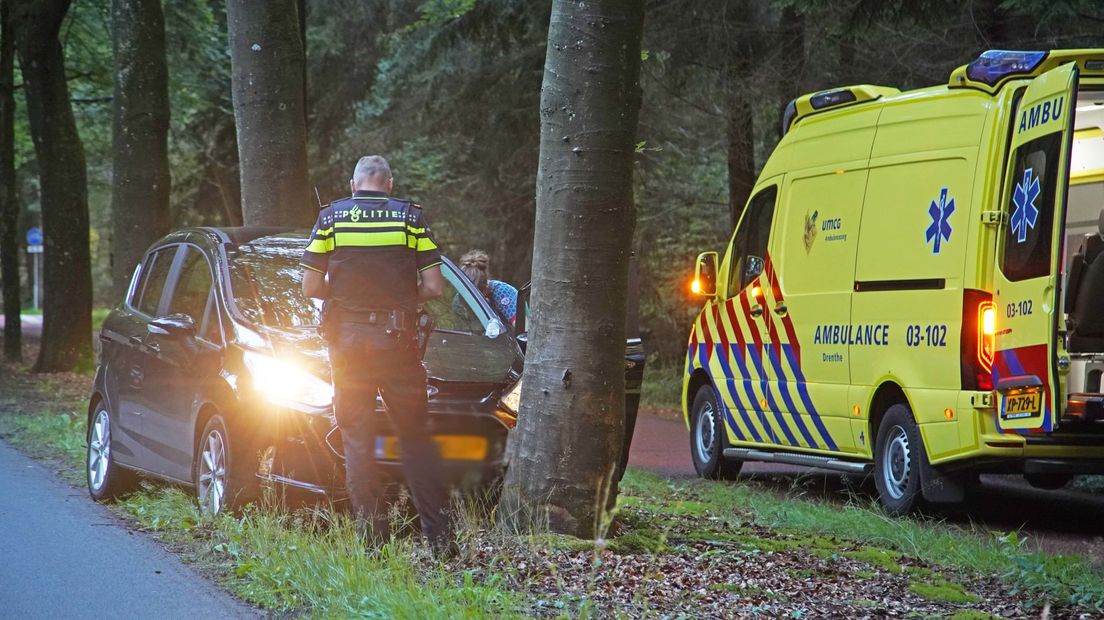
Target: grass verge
[1061,579]
[662,387]
[710,548]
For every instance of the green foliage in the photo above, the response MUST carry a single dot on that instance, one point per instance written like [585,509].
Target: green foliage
[639,541]
[943,591]
[662,386]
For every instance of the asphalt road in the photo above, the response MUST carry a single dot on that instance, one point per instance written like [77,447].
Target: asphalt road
[1059,521]
[64,556]
[32,325]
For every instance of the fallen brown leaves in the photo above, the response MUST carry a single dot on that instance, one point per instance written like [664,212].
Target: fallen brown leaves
[759,573]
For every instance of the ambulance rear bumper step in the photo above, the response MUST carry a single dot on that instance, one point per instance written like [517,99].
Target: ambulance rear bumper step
[804,460]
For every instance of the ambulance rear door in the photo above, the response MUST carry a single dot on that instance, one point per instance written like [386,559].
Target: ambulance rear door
[1026,283]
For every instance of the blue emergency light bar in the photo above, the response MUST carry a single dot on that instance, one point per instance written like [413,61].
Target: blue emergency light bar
[995,65]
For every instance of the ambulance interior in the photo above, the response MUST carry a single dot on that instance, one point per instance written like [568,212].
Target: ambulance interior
[1084,246]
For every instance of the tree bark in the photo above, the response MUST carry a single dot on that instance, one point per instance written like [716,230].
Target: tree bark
[741,156]
[9,204]
[67,276]
[565,452]
[267,60]
[140,168]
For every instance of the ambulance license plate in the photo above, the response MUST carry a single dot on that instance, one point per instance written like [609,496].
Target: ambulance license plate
[1022,404]
[452,447]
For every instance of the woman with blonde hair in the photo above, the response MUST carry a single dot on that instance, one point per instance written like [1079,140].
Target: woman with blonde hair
[476,265]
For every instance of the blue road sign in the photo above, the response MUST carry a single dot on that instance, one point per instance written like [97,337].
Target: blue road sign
[34,236]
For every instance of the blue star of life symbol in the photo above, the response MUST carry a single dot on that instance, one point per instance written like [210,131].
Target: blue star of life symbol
[940,228]
[1026,213]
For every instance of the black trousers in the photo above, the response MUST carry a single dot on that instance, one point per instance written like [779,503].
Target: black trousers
[366,361]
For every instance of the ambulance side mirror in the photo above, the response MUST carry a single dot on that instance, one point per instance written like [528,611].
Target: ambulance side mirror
[705,275]
[754,268]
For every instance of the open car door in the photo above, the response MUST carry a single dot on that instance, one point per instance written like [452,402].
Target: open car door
[1026,343]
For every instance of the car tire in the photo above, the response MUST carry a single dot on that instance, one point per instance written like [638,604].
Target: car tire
[707,438]
[1048,482]
[106,479]
[221,481]
[898,456]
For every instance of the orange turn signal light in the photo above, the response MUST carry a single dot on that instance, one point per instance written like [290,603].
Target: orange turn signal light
[948,413]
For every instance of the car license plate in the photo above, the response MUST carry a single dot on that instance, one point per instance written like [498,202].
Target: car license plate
[1022,404]
[452,447]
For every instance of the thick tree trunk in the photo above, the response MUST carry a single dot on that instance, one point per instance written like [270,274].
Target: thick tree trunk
[791,57]
[140,153]
[9,204]
[564,455]
[741,156]
[266,54]
[67,276]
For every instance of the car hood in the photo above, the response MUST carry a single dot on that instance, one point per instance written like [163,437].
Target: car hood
[450,357]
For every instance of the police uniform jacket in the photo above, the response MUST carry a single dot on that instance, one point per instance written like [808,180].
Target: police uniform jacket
[371,245]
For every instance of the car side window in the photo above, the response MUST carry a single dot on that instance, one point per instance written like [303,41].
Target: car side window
[155,273]
[194,295]
[193,286]
[455,309]
[749,247]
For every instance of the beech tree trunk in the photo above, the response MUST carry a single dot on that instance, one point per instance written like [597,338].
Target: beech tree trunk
[9,204]
[564,454]
[740,132]
[140,153]
[67,276]
[267,62]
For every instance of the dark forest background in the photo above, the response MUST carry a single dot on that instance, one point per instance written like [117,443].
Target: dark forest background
[449,90]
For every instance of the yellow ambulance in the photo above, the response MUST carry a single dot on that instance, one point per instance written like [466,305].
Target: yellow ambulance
[916,287]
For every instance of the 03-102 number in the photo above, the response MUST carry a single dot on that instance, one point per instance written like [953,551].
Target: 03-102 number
[930,335]
[1019,308]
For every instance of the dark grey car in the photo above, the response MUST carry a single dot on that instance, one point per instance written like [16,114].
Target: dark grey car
[213,375]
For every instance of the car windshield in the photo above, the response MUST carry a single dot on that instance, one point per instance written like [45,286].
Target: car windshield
[266,282]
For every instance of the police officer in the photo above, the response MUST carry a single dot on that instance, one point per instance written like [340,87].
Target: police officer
[371,257]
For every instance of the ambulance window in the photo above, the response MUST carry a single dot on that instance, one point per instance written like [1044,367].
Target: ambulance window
[1030,209]
[749,248]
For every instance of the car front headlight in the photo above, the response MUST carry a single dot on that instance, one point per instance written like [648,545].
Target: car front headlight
[511,401]
[283,382]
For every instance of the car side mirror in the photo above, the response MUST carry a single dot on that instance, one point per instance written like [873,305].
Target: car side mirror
[705,275]
[175,326]
[754,268]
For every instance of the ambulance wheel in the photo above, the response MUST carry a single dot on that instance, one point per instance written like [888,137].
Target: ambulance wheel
[898,454]
[707,438]
[1048,482]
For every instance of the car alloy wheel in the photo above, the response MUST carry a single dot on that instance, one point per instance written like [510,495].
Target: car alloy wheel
[211,481]
[99,451]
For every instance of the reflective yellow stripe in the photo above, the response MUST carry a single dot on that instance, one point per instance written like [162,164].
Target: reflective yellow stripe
[347,225]
[324,231]
[321,246]
[425,244]
[415,231]
[396,238]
